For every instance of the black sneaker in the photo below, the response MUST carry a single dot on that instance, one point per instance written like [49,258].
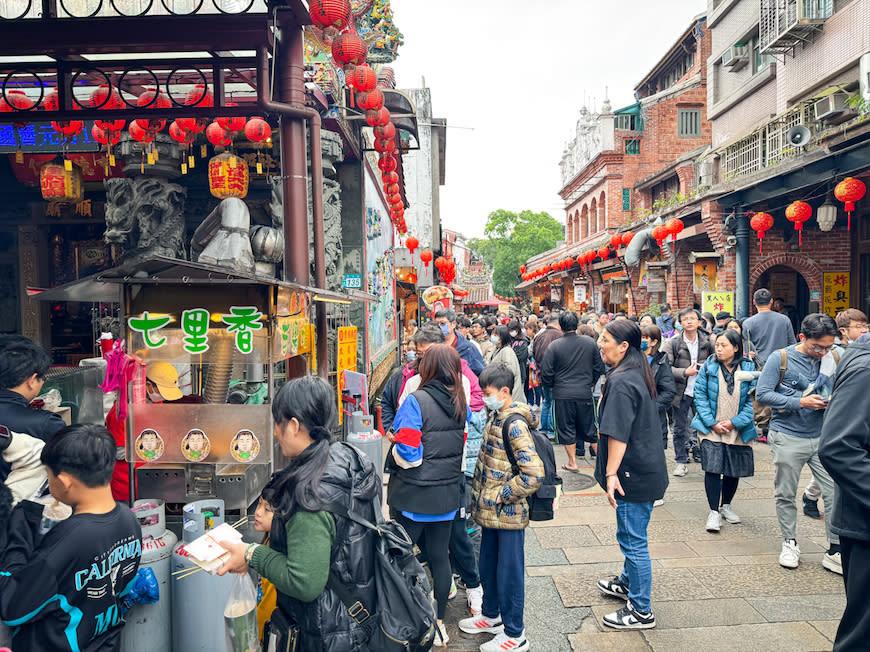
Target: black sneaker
[811,508]
[629,618]
[613,587]
[696,454]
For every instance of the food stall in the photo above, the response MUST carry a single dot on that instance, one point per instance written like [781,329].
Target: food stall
[234,338]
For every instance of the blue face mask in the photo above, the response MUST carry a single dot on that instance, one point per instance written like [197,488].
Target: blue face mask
[445,328]
[411,355]
[644,346]
[492,403]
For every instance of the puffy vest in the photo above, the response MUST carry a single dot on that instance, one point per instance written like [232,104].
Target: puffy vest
[432,487]
[324,622]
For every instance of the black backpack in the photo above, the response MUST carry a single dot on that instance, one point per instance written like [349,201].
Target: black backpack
[404,620]
[542,501]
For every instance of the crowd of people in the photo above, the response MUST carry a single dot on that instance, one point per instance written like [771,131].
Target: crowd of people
[465,413]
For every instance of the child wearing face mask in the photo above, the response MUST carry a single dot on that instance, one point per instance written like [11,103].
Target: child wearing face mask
[499,506]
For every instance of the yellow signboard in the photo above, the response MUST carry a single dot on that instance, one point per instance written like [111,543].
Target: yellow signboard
[705,276]
[835,292]
[292,337]
[346,359]
[717,302]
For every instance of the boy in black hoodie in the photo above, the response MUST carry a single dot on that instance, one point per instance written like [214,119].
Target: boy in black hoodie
[62,590]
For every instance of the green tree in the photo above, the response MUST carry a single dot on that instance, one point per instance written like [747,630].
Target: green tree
[510,239]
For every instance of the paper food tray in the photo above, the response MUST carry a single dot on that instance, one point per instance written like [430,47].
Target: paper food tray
[207,551]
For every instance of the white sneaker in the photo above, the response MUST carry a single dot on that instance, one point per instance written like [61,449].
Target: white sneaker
[453,590]
[714,522]
[475,599]
[833,562]
[504,643]
[790,556]
[681,470]
[441,639]
[659,502]
[480,624]
[728,514]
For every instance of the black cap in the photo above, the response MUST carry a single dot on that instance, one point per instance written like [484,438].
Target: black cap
[723,315]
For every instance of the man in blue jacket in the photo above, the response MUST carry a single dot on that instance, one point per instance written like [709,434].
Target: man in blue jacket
[845,453]
[446,320]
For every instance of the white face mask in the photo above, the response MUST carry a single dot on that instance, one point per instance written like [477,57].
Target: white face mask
[156,397]
[495,340]
[492,403]
[513,333]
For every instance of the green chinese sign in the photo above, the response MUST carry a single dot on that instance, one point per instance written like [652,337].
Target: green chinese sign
[242,321]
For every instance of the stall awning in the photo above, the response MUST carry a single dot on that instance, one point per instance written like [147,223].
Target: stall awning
[106,286]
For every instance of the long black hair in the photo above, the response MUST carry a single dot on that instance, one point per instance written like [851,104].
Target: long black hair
[625,330]
[311,401]
[504,336]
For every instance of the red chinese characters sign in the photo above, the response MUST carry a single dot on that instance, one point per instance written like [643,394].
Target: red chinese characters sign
[835,292]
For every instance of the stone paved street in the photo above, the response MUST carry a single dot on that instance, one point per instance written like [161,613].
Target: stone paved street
[714,592]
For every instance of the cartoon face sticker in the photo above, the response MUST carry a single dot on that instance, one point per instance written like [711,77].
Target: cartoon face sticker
[245,446]
[149,445]
[195,446]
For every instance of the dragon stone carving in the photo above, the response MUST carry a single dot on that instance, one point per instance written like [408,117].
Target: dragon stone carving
[145,216]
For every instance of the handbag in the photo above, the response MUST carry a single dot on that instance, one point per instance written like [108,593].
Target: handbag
[280,634]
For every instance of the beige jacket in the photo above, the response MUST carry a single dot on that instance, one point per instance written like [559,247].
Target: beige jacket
[28,474]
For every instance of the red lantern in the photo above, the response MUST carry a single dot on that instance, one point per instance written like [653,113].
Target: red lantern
[674,227]
[384,146]
[379,117]
[387,131]
[547,269]
[217,135]
[16,101]
[152,99]
[180,135]
[627,238]
[412,243]
[850,190]
[760,223]
[105,137]
[440,262]
[371,100]
[329,13]
[660,234]
[347,48]
[363,78]
[49,103]
[522,269]
[138,133]
[616,240]
[412,278]
[604,252]
[799,212]
[581,259]
[200,97]
[390,177]
[391,189]
[68,130]
[235,124]
[258,130]
[387,163]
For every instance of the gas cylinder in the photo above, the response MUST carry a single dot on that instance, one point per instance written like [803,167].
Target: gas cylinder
[148,625]
[198,600]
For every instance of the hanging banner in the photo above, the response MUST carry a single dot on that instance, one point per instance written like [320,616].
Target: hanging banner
[705,277]
[835,293]
[345,359]
[717,302]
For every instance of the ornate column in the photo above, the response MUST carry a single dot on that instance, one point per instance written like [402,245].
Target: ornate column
[32,273]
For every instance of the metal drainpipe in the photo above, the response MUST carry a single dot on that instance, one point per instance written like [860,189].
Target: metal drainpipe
[296,264]
[742,272]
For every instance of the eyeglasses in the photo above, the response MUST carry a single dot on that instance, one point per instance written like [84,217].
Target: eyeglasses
[819,349]
[861,328]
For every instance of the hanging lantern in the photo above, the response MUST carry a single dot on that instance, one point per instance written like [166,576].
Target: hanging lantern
[218,136]
[522,269]
[616,240]
[660,234]
[760,223]
[138,133]
[364,78]
[604,252]
[391,189]
[16,101]
[68,130]
[329,13]
[105,137]
[384,146]
[59,184]
[799,212]
[827,215]
[850,190]
[440,262]
[674,227]
[106,98]
[200,97]
[152,99]
[180,135]
[412,243]
[258,130]
[371,100]
[412,278]
[228,176]
[50,102]
[387,163]
[387,131]
[627,238]
[233,125]
[390,177]
[349,48]
[378,117]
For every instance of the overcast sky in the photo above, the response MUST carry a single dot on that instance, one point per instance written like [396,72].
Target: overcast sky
[510,77]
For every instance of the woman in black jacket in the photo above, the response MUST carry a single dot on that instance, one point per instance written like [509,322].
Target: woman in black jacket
[651,342]
[520,345]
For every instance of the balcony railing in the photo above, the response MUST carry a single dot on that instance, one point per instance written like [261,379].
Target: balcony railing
[785,23]
[768,146]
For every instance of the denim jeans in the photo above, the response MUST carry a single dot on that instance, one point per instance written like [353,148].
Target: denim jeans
[790,454]
[683,415]
[533,395]
[502,573]
[631,523]
[547,410]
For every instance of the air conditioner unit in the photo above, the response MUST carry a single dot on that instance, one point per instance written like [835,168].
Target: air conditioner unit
[831,108]
[735,57]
